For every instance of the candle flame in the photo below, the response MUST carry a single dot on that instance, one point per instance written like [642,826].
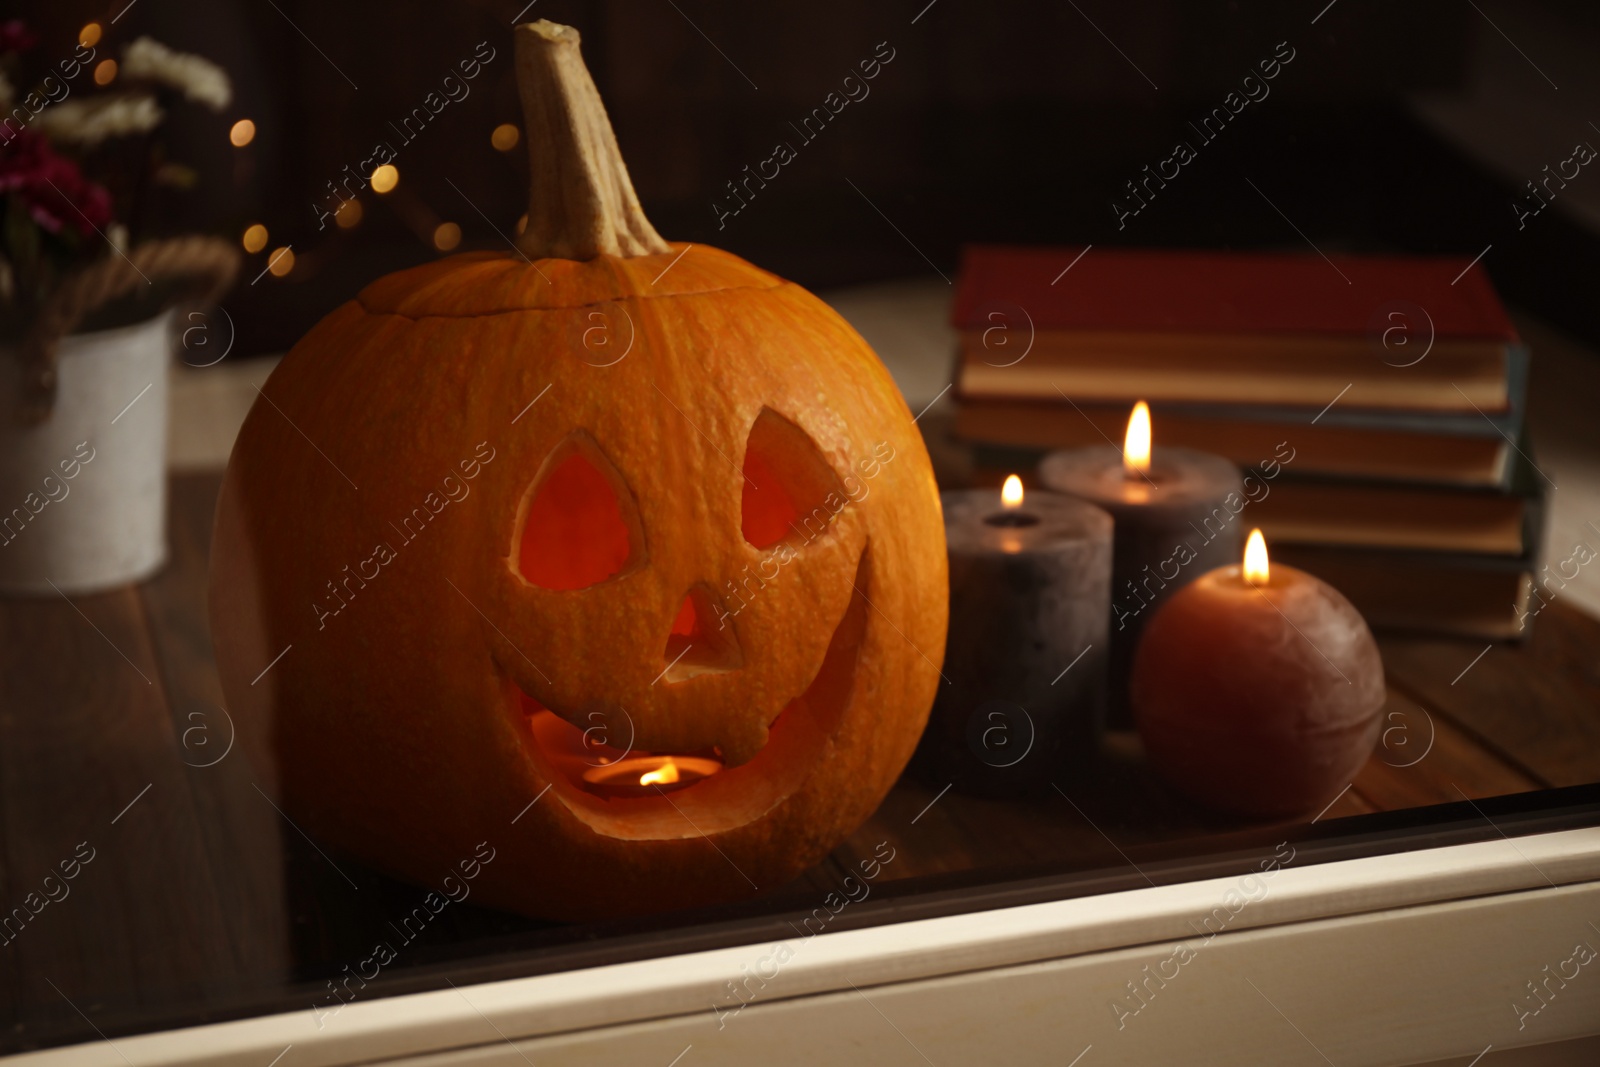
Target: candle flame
[1255,559]
[1136,446]
[665,774]
[1011,492]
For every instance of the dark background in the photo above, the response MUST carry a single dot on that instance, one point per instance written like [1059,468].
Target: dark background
[1011,120]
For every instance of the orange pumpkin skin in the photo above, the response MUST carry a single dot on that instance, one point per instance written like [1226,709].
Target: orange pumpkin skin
[395,728]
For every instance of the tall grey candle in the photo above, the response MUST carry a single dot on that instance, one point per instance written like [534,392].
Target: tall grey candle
[1025,658]
[1174,522]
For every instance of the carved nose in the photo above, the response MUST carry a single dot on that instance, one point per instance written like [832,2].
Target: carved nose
[701,640]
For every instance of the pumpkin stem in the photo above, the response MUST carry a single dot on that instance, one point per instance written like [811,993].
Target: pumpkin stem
[581,203]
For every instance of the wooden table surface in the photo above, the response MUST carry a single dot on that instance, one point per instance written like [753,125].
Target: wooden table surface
[200,900]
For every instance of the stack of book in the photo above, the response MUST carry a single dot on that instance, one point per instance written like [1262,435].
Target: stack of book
[1380,402]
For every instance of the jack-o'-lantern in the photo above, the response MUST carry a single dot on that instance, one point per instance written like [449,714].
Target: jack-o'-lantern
[621,558]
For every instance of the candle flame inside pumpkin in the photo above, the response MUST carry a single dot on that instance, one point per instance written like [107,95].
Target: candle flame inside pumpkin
[1011,492]
[665,774]
[1255,559]
[1136,445]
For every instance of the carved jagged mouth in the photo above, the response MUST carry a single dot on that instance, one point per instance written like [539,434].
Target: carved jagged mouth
[588,775]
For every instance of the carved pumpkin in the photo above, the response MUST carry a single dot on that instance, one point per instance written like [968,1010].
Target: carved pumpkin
[508,526]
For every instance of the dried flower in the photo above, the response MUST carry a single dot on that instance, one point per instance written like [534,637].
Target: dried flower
[16,37]
[88,122]
[200,79]
[53,189]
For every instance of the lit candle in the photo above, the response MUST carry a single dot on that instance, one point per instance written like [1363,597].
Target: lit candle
[584,759]
[1024,666]
[1258,688]
[642,776]
[1173,510]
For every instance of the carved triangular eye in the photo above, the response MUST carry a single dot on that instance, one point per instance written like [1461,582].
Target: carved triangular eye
[579,527]
[786,483]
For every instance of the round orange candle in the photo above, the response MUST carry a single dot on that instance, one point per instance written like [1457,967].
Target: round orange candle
[1258,688]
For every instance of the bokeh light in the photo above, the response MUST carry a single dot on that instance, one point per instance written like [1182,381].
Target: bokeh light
[281,262]
[446,236]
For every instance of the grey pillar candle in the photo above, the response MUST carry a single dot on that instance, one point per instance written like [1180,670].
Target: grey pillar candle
[1025,657]
[1174,522]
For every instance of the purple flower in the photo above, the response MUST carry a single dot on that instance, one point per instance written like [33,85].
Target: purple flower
[16,37]
[52,188]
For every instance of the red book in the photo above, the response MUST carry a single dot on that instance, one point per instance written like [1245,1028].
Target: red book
[1386,332]
[1224,292]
